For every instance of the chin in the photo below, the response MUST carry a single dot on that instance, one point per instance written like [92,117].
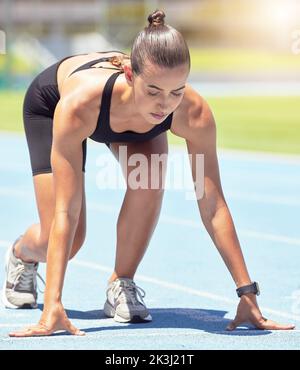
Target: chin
[156,123]
[153,121]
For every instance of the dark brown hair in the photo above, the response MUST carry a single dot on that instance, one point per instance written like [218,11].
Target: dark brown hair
[159,44]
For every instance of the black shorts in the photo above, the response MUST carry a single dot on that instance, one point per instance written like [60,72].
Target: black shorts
[39,105]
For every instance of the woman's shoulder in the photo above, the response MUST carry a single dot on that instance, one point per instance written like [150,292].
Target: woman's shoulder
[192,115]
[82,89]
[81,96]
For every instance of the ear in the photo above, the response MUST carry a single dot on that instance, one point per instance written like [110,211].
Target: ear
[128,74]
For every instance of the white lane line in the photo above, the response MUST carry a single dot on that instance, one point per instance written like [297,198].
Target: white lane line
[176,287]
[14,325]
[289,201]
[4,243]
[270,237]
[158,282]
[198,225]
[13,192]
[236,155]
[265,199]
[243,232]
[184,289]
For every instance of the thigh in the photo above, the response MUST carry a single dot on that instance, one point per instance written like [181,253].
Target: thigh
[38,131]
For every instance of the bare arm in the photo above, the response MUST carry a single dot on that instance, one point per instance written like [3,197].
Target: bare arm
[74,120]
[69,131]
[72,124]
[66,162]
[213,209]
[215,214]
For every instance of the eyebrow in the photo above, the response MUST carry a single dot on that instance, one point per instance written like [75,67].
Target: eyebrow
[158,88]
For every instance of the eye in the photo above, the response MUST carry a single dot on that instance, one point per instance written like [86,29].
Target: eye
[155,94]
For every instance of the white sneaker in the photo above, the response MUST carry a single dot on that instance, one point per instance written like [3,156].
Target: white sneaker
[125,302]
[20,286]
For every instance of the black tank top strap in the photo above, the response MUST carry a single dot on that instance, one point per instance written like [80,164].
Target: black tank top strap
[91,63]
[104,115]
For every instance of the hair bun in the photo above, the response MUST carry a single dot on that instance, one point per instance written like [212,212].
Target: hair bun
[156,18]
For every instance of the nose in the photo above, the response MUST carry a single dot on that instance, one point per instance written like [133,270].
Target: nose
[163,106]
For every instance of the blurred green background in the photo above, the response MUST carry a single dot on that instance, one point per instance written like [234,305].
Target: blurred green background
[245,57]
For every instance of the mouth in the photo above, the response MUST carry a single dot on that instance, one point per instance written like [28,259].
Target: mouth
[158,115]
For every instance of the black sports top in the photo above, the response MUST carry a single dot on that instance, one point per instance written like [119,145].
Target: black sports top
[103,132]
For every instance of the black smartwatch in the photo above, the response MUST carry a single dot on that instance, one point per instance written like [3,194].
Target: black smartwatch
[251,288]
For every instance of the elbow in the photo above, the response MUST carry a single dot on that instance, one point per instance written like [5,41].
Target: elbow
[67,217]
[208,206]
[68,207]
[209,212]
[217,219]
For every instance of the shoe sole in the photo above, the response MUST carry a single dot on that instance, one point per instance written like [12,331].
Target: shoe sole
[110,312]
[5,301]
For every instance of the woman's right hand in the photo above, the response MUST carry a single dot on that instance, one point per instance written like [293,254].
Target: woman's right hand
[52,320]
[249,312]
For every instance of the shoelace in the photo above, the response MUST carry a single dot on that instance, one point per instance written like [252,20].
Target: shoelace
[24,277]
[127,292]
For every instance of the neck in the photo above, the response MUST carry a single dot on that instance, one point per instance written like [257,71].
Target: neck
[124,112]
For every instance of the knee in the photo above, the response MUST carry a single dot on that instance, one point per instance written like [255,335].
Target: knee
[77,243]
[154,196]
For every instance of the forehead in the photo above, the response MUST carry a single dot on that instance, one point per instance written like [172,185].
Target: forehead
[164,78]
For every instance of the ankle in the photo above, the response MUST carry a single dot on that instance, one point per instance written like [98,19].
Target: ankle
[114,277]
[18,252]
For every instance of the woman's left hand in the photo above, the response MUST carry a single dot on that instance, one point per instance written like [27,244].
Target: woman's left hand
[249,312]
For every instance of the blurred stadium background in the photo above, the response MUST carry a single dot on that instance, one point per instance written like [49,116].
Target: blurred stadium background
[245,57]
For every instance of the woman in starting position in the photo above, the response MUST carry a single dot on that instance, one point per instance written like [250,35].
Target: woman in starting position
[118,100]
